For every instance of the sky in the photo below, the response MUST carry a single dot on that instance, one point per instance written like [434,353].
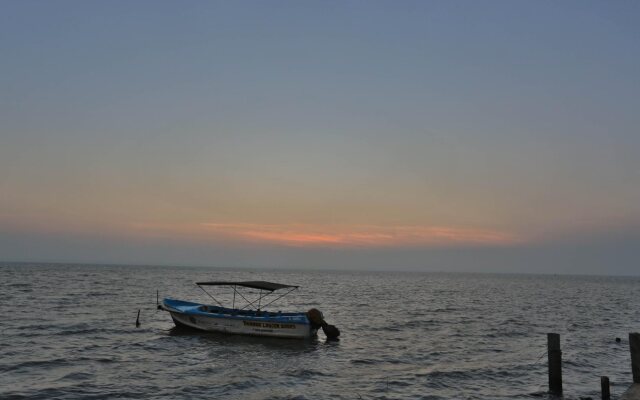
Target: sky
[494,136]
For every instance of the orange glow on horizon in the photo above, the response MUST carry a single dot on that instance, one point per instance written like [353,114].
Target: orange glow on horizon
[294,235]
[359,235]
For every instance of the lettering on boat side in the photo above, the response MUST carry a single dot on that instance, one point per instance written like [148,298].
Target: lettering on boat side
[269,325]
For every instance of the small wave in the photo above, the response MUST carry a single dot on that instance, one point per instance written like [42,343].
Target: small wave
[540,393]
[101,360]
[416,323]
[31,328]
[389,329]
[454,374]
[445,310]
[397,383]
[78,391]
[77,376]
[86,329]
[306,373]
[19,285]
[297,397]
[365,362]
[81,331]
[35,364]
[102,294]
[234,386]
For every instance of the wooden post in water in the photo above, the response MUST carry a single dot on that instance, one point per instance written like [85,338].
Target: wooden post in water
[604,387]
[634,348]
[555,363]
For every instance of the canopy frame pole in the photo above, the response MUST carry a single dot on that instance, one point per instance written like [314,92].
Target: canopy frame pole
[208,294]
[263,287]
[234,297]
[254,302]
[244,298]
[281,296]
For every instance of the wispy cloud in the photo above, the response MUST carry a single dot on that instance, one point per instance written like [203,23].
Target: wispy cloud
[359,235]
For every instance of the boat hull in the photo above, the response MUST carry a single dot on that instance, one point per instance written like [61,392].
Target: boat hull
[196,316]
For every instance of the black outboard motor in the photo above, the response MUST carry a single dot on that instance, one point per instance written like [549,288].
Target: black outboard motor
[317,321]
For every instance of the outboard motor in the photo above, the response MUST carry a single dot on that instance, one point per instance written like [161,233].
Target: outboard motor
[317,321]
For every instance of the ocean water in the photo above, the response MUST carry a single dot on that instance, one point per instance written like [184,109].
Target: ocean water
[68,332]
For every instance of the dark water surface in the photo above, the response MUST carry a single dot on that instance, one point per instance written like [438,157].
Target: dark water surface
[68,332]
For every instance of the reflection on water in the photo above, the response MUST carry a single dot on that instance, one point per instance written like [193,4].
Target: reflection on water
[247,342]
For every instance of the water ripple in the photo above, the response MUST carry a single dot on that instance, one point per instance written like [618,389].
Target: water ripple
[404,335]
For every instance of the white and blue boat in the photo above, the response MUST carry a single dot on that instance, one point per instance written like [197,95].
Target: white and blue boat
[252,318]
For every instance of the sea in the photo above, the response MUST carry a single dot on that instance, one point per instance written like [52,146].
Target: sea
[69,332]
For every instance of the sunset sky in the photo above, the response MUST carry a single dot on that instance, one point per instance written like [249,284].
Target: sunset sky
[437,135]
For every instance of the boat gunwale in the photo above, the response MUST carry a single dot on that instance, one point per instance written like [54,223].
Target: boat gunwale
[190,308]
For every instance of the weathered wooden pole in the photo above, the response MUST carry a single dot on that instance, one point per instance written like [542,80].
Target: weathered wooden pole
[604,387]
[555,363]
[634,348]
